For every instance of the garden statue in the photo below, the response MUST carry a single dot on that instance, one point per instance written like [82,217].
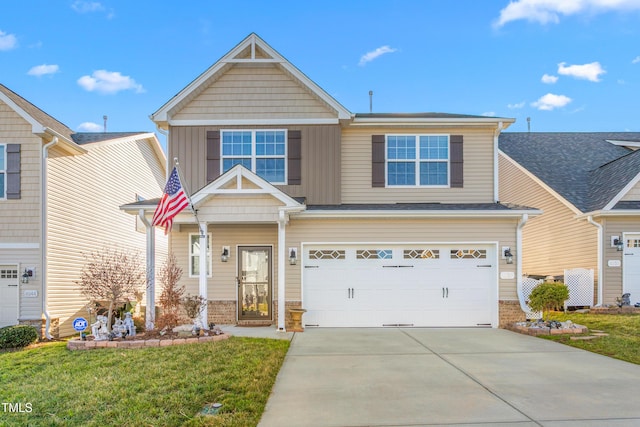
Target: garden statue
[625,301]
[118,328]
[99,328]
[128,323]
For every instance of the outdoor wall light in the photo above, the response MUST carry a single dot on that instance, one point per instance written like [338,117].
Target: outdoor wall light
[618,242]
[293,256]
[508,256]
[224,257]
[25,276]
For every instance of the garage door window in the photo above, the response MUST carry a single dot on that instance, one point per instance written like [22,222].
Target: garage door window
[374,254]
[326,254]
[8,274]
[468,254]
[421,254]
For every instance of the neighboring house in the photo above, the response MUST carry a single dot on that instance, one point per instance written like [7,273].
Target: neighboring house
[59,198]
[361,219]
[587,186]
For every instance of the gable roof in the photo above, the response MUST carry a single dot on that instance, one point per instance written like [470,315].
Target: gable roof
[250,50]
[582,167]
[41,122]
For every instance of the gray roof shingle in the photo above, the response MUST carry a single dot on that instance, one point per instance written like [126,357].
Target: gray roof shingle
[582,167]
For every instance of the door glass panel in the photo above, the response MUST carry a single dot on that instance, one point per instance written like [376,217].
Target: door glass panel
[255,283]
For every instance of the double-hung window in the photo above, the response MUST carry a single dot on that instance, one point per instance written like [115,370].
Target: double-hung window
[3,171]
[195,253]
[264,152]
[417,160]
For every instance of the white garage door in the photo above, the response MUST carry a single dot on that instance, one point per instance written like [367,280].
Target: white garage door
[8,295]
[631,267]
[390,285]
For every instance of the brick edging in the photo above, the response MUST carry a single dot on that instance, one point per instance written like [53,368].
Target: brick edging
[575,330]
[77,344]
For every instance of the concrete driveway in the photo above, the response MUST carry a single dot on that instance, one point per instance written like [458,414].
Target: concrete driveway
[423,377]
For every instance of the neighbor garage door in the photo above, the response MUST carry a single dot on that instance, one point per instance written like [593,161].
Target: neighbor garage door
[389,285]
[8,295]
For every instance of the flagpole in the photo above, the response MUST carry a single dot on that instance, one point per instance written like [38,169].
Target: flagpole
[187,193]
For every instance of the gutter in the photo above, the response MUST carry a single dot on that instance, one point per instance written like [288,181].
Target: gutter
[599,264]
[43,234]
[415,213]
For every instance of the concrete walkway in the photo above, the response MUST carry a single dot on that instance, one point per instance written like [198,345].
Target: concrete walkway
[425,377]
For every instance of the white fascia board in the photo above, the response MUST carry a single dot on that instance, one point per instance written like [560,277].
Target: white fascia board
[256,122]
[610,213]
[415,214]
[134,209]
[541,183]
[634,144]
[65,142]
[412,121]
[622,193]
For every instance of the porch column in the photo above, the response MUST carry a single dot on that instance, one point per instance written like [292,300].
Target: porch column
[282,256]
[150,311]
[204,263]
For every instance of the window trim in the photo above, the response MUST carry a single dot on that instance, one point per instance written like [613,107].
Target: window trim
[191,255]
[417,161]
[3,171]
[254,156]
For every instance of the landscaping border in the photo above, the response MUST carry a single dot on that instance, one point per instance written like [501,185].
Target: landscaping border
[77,344]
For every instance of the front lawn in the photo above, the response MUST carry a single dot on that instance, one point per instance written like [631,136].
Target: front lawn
[623,341]
[162,386]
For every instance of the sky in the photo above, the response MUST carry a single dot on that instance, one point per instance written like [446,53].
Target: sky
[568,65]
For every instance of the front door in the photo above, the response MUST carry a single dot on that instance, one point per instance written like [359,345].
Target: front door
[8,295]
[254,282]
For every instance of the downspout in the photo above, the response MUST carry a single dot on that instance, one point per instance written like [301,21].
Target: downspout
[496,172]
[599,264]
[521,223]
[43,235]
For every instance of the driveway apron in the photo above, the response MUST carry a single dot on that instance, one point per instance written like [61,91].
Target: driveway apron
[422,377]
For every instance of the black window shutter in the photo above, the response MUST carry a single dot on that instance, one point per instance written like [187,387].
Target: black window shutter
[294,157]
[377,160]
[213,155]
[456,160]
[13,171]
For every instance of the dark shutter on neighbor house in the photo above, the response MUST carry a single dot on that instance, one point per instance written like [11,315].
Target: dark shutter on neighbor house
[213,155]
[13,171]
[456,160]
[294,157]
[377,160]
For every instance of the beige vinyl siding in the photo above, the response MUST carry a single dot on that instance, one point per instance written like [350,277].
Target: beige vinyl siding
[359,230]
[85,193]
[320,159]
[20,218]
[356,168]
[555,240]
[222,284]
[258,208]
[254,91]
[612,276]
[632,194]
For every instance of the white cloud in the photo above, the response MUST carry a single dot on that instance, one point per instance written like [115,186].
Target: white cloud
[109,82]
[370,56]
[551,101]
[589,72]
[549,11]
[549,79]
[7,41]
[489,114]
[82,6]
[41,70]
[636,60]
[516,106]
[90,127]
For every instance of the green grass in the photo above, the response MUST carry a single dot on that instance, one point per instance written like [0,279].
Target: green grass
[622,343]
[163,386]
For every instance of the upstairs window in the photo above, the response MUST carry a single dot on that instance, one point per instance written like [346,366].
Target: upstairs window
[263,152]
[417,160]
[3,171]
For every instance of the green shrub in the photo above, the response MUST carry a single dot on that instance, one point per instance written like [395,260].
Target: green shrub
[17,336]
[548,296]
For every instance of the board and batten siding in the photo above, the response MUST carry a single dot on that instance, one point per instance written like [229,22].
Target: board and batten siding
[255,91]
[84,196]
[555,240]
[612,276]
[357,164]
[320,162]
[222,284]
[379,231]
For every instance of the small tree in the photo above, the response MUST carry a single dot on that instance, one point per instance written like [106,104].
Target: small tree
[548,296]
[172,292]
[111,275]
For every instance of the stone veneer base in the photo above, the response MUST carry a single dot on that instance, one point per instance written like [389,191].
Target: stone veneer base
[77,344]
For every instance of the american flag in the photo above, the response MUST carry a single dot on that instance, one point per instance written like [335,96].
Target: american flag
[173,201]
